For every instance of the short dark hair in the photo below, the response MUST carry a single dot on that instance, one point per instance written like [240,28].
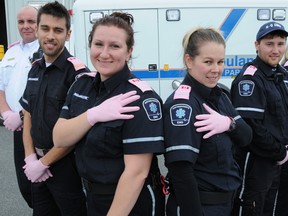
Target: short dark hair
[57,10]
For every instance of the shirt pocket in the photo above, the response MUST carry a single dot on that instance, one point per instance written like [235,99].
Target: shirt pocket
[106,139]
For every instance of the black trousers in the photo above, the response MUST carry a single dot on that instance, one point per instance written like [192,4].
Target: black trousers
[257,194]
[62,194]
[151,202]
[19,155]
[281,206]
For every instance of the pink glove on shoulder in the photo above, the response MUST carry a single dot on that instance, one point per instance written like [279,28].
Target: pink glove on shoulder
[12,120]
[213,122]
[113,108]
[34,170]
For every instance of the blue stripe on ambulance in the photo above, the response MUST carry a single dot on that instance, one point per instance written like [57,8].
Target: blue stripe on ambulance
[227,27]
[231,22]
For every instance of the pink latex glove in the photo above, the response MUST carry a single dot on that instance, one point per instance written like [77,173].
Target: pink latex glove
[35,170]
[12,120]
[113,108]
[213,122]
[285,159]
[31,158]
[47,174]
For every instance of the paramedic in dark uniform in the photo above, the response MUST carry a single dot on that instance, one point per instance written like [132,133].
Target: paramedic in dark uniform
[14,69]
[116,159]
[201,128]
[260,96]
[56,185]
[282,197]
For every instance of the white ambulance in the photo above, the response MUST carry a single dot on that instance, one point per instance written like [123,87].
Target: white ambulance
[161,24]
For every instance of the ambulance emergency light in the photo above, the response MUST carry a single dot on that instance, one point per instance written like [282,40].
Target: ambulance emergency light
[279,14]
[173,15]
[95,16]
[263,14]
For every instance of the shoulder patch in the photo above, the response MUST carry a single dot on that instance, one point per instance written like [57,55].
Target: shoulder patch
[250,70]
[180,114]
[152,108]
[246,88]
[286,64]
[78,65]
[183,92]
[91,74]
[13,44]
[142,85]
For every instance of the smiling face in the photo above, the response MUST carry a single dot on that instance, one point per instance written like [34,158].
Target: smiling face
[52,34]
[271,49]
[109,52]
[207,66]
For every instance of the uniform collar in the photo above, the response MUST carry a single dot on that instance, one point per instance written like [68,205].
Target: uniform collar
[208,94]
[29,45]
[265,68]
[112,82]
[60,62]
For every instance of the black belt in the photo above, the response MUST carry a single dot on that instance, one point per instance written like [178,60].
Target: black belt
[98,188]
[208,197]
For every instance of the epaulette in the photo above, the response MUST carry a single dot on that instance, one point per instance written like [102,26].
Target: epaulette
[78,65]
[13,44]
[183,92]
[250,70]
[286,64]
[142,85]
[91,74]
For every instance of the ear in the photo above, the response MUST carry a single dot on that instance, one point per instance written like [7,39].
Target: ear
[256,45]
[188,61]
[68,35]
[129,54]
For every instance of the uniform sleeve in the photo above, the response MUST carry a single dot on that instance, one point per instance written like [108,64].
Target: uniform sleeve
[242,134]
[185,187]
[144,132]
[182,142]
[265,145]
[248,98]
[67,105]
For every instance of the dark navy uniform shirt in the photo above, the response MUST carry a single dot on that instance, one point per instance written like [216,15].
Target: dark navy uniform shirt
[214,166]
[45,95]
[100,154]
[259,93]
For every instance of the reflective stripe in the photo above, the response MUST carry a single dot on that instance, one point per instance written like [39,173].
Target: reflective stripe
[182,147]
[243,181]
[65,108]
[143,139]
[152,199]
[24,100]
[237,117]
[250,109]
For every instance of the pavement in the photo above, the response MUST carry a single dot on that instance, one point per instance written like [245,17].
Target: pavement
[11,201]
